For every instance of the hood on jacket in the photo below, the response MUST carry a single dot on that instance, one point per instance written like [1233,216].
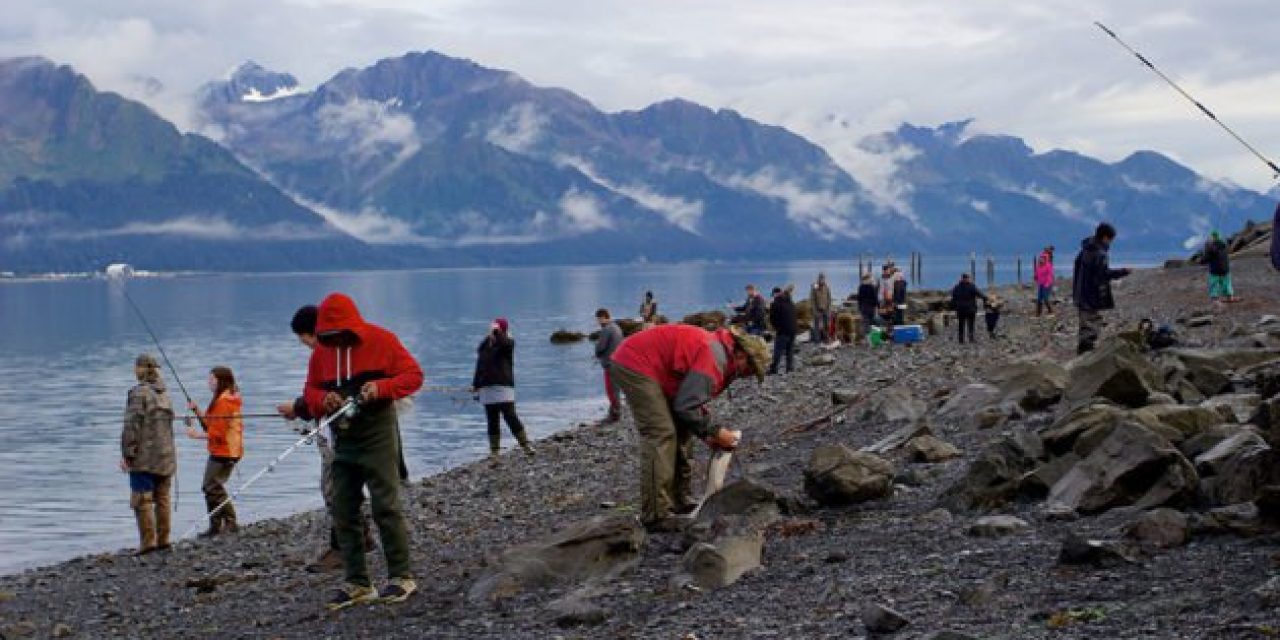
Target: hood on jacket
[1092,243]
[338,312]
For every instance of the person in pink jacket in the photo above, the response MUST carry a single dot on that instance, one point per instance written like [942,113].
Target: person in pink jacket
[1044,282]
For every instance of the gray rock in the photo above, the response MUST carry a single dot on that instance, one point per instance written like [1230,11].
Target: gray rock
[1081,551]
[837,476]
[722,562]
[1234,407]
[841,397]
[881,619]
[1204,370]
[1130,465]
[1200,321]
[1031,383]
[992,479]
[575,609]
[1239,519]
[997,526]
[1186,421]
[1161,399]
[1036,484]
[1268,503]
[898,438]
[967,400]
[821,360]
[928,449]
[754,501]
[1267,595]
[897,404]
[1117,371]
[596,548]
[1060,438]
[1236,469]
[1163,528]
[990,418]
[984,592]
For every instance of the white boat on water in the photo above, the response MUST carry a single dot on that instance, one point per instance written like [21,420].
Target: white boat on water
[119,270]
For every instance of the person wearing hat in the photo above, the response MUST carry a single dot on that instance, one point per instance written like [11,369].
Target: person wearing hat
[820,302]
[147,454]
[670,374]
[495,385]
[1218,259]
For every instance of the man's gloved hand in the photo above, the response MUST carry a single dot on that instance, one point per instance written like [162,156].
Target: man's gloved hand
[285,409]
[332,402]
[724,440]
[369,391]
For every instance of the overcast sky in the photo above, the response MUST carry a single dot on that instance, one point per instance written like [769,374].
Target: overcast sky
[1039,70]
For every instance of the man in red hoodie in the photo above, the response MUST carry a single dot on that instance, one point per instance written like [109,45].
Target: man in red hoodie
[355,359]
[669,374]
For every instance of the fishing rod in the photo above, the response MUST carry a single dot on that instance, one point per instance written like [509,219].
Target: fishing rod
[308,436]
[1275,170]
[146,325]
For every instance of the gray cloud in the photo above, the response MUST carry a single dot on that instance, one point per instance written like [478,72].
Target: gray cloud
[1038,70]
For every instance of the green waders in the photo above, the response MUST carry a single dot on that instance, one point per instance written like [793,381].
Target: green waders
[367,453]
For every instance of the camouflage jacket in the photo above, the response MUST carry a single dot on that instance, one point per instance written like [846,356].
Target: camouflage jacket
[147,440]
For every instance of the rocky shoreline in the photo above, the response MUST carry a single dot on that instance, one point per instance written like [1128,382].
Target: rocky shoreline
[547,548]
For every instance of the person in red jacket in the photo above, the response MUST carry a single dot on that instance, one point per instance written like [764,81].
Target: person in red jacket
[223,427]
[670,374]
[362,361]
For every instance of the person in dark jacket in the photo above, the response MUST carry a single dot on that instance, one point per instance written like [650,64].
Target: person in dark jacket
[495,384]
[868,302]
[753,311]
[782,314]
[899,297]
[1218,258]
[1091,284]
[992,307]
[608,342]
[964,301]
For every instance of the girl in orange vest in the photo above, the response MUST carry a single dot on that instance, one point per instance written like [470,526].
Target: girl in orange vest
[223,427]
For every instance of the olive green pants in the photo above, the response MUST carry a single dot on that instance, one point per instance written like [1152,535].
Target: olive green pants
[665,448]
[367,453]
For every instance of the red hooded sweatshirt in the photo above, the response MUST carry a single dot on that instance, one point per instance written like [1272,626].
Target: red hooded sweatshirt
[691,365]
[376,357]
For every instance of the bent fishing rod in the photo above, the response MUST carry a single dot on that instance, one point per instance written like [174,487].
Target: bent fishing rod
[1275,170]
[164,356]
[348,408]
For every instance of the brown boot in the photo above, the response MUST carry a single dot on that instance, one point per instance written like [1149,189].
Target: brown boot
[164,514]
[144,511]
[229,524]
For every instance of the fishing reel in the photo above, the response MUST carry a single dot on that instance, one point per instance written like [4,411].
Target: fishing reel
[341,419]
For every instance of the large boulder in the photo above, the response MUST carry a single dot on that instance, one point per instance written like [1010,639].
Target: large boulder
[594,549]
[752,501]
[1060,437]
[897,404]
[1203,370]
[1163,528]
[1185,421]
[838,476]
[1128,465]
[1236,469]
[1117,371]
[713,319]
[992,480]
[1033,384]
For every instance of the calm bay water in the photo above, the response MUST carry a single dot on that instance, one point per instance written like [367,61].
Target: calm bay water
[67,348]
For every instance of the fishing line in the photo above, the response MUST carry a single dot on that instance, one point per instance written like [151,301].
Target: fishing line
[1275,170]
[146,325]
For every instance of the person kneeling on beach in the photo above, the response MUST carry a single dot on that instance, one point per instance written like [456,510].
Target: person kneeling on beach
[222,426]
[669,375]
[147,454]
[355,360]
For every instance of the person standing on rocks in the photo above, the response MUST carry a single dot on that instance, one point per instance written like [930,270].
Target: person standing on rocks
[303,326]
[899,297]
[1218,258]
[669,375]
[868,302]
[820,302]
[964,301]
[753,311]
[649,310]
[222,427]
[495,384]
[147,454]
[1091,284]
[1044,283]
[992,307]
[608,342]
[782,314]
[356,360]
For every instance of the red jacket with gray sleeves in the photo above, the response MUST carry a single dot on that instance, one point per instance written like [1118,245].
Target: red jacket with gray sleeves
[691,365]
[378,357]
